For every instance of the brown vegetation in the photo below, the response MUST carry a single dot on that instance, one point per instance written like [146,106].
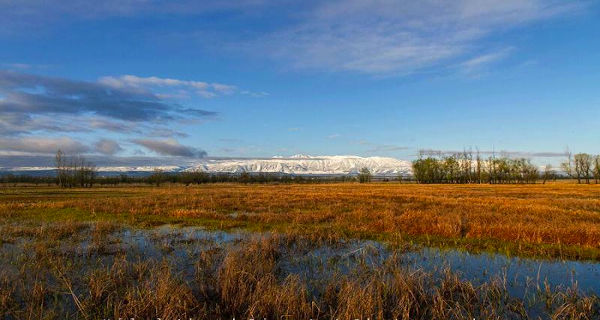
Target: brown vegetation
[244,280]
[558,217]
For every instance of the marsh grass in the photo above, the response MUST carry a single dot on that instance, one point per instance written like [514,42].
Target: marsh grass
[78,254]
[553,220]
[41,278]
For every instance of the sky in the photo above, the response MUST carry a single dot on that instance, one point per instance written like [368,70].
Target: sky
[259,78]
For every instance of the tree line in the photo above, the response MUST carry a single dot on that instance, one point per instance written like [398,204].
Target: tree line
[452,169]
[462,168]
[583,166]
[158,178]
[466,167]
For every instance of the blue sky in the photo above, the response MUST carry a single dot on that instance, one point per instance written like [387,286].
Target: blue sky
[253,78]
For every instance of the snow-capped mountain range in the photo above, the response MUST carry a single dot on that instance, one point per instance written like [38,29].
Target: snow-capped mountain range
[302,164]
[296,165]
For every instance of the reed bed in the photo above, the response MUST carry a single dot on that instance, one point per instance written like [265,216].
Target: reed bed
[556,219]
[242,279]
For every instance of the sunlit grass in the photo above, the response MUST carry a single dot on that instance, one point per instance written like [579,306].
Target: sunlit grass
[553,220]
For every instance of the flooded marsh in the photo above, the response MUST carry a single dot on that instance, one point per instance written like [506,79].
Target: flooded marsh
[337,251]
[91,270]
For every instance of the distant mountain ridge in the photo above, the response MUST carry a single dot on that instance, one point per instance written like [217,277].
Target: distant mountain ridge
[309,165]
[294,165]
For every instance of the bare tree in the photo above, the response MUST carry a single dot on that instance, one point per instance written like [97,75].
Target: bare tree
[60,167]
[548,173]
[567,166]
[596,169]
[478,167]
[85,172]
[467,165]
[583,167]
[74,171]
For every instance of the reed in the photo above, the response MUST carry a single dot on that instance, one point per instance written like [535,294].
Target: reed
[555,219]
[245,279]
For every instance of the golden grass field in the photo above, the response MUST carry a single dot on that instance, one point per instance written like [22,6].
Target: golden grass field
[97,254]
[558,219]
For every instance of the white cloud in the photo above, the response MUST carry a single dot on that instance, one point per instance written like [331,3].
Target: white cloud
[184,87]
[255,94]
[391,36]
[485,59]
[480,62]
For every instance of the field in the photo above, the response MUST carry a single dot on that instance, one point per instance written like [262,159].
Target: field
[557,220]
[232,250]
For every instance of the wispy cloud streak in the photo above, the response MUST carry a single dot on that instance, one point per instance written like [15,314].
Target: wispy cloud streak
[399,37]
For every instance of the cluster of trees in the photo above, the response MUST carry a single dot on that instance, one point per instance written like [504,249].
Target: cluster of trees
[465,168]
[74,171]
[159,177]
[583,167]
[364,175]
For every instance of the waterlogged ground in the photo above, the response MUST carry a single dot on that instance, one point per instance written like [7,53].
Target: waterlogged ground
[89,270]
[559,220]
